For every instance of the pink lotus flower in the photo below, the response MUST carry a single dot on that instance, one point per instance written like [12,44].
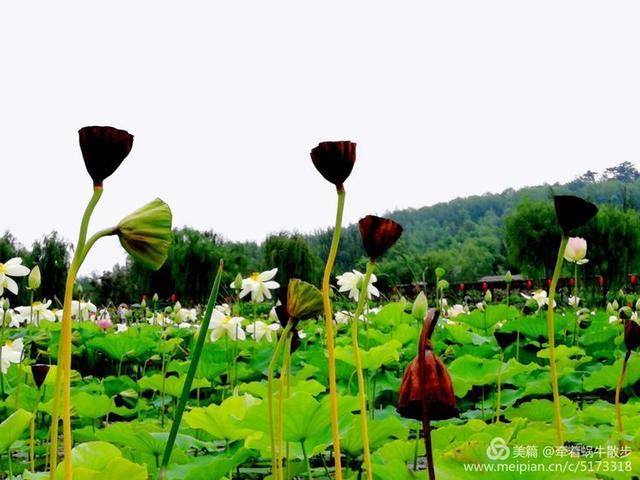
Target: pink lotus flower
[105,323]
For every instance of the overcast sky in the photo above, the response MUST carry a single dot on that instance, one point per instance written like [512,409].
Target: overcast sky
[226,99]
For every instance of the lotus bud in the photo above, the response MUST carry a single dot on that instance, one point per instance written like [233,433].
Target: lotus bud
[35,278]
[5,304]
[487,296]
[573,212]
[155,298]
[334,160]
[103,150]
[508,278]
[576,250]
[615,305]
[143,303]
[168,310]
[146,234]
[625,313]
[304,300]
[378,235]
[631,334]
[638,305]
[237,282]
[79,291]
[420,305]
[177,307]
[39,371]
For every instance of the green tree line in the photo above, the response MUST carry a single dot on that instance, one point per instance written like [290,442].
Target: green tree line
[469,237]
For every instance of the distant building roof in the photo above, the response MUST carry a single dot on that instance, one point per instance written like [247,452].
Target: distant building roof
[500,278]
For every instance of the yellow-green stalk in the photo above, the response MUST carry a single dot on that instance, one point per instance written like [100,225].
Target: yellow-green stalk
[328,319]
[552,346]
[362,395]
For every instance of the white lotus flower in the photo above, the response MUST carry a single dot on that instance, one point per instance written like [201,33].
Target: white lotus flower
[12,268]
[351,282]
[258,285]
[456,310]
[480,306]
[14,318]
[262,330]
[539,296]
[576,250]
[121,327]
[11,353]
[86,310]
[343,317]
[574,301]
[186,315]
[36,313]
[224,308]
[222,325]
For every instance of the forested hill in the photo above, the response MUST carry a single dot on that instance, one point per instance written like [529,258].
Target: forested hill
[467,236]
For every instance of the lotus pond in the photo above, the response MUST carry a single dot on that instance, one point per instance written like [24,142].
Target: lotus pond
[123,405]
[295,381]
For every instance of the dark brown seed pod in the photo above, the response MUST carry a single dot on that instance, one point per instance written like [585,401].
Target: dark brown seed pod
[103,150]
[435,385]
[378,235]
[39,371]
[573,212]
[334,160]
[505,339]
[631,334]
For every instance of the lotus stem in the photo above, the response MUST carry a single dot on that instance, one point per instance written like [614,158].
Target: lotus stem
[193,366]
[552,346]
[575,308]
[328,318]
[63,372]
[425,336]
[32,434]
[618,390]
[362,395]
[270,374]
[499,399]
[284,374]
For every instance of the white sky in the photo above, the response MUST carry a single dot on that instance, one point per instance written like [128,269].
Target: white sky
[226,99]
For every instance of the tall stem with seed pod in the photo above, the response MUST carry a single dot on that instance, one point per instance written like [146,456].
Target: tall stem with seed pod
[362,395]
[552,343]
[328,321]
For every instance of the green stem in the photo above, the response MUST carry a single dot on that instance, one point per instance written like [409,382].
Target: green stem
[270,374]
[415,450]
[362,394]
[284,374]
[163,371]
[552,346]
[618,390]
[306,460]
[575,308]
[63,372]
[499,399]
[2,325]
[193,366]
[328,318]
